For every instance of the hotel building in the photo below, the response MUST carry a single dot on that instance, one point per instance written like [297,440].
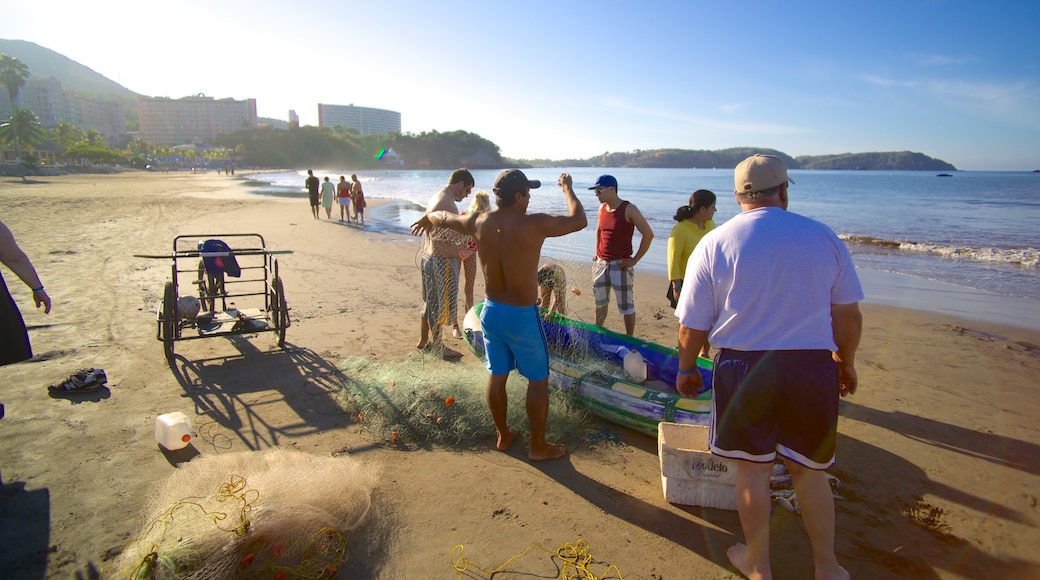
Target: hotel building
[366,120]
[194,119]
[52,105]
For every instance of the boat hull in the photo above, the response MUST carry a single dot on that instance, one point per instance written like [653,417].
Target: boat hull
[595,379]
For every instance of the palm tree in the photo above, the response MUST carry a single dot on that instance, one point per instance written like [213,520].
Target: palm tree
[138,146]
[23,126]
[67,134]
[13,73]
[94,138]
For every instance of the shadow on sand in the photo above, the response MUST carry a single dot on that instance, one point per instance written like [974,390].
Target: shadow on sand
[25,519]
[231,394]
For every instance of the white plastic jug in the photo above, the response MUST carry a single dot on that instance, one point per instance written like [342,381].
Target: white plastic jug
[173,430]
[635,366]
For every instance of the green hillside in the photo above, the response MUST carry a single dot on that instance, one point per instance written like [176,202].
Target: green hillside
[893,160]
[729,158]
[45,63]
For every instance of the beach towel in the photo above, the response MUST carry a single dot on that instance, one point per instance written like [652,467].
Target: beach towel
[216,265]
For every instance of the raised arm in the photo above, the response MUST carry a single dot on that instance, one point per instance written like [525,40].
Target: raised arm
[575,219]
[465,223]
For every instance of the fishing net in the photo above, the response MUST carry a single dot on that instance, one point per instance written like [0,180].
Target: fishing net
[274,514]
[423,399]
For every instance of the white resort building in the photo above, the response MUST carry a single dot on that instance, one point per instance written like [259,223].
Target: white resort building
[367,120]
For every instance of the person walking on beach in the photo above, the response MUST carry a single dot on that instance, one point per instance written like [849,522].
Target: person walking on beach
[468,255]
[617,221]
[358,198]
[694,222]
[439,263]
[509,244]
[343,198]
[780,296]
[14,338]
[312,183]
[328,193]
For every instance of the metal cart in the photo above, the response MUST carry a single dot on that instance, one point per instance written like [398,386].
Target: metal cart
[226,268]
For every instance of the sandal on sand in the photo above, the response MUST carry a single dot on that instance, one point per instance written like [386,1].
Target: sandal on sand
[81,381]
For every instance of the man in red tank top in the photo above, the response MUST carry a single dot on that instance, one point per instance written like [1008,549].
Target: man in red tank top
[618,219]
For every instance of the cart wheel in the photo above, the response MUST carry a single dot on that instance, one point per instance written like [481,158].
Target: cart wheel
[279,310]
[169,319]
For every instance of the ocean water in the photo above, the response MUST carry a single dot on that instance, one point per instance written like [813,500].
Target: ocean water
[954,244]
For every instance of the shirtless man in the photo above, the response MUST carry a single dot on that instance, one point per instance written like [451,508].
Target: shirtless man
[509,245]
[440,268]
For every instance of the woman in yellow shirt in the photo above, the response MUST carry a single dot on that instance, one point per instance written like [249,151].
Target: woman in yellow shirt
[694,221]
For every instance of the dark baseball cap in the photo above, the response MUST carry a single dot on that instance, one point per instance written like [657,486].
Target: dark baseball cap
[512,181]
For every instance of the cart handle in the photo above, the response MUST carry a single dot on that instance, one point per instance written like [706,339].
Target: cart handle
[198,254]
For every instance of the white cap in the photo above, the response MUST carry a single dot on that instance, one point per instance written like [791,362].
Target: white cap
[759,173]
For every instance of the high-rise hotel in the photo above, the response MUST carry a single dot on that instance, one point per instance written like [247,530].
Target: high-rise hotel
[194,119]
[366,120]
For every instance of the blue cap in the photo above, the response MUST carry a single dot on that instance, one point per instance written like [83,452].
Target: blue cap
[605,181]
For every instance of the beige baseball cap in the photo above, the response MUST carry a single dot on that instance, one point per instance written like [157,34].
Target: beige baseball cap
[759,173]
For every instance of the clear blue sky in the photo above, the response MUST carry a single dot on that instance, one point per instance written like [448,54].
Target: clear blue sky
[958,80]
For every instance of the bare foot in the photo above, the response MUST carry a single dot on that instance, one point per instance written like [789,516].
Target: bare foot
[740,557]
[505,442]
[455,332]
[550,451]
[422,345]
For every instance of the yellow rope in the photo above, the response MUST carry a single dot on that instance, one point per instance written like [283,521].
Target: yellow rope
[233,491]
[322,555]
[575,559]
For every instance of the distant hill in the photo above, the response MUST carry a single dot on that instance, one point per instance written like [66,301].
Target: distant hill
[44,63]
[892,160]
[729,158]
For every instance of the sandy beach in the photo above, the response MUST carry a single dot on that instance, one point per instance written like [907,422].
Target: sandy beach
[938,452]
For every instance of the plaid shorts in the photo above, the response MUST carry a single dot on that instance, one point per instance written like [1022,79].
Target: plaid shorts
[610,275]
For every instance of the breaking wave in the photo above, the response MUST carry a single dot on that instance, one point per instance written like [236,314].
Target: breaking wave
[1024,257]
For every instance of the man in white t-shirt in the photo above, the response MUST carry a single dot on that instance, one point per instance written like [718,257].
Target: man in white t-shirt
[778,294]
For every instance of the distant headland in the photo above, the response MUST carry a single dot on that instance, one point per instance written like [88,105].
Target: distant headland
[729,158]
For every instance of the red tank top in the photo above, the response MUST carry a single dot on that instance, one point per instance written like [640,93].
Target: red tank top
[615,233]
